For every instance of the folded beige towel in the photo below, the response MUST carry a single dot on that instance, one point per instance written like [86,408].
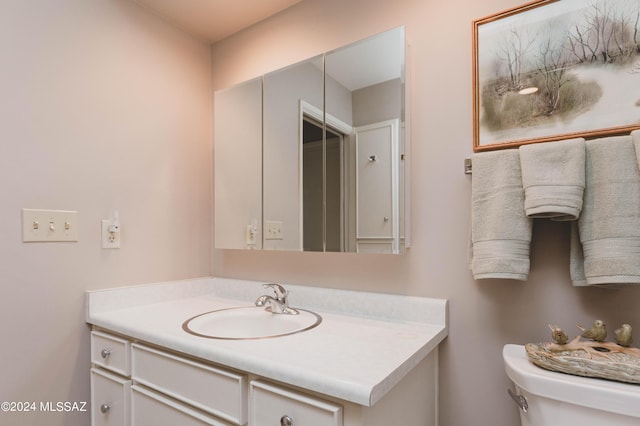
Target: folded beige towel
[553,178]
[609,226]
[500,230]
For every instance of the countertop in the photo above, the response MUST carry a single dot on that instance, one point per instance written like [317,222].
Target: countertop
[366,343]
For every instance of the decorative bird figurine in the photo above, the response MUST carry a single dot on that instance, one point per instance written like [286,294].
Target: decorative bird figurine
[597,332]
[558,335]
[623,335]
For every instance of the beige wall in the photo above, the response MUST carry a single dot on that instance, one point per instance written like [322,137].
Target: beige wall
[485,314]
[103,106]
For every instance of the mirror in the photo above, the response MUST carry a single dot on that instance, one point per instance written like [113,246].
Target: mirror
[332,154]
[365,92]
[238,165]
[285,91]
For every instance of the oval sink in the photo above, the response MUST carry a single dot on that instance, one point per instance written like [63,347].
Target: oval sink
[249,322]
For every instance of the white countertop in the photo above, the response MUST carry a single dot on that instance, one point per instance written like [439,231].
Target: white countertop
[366,343]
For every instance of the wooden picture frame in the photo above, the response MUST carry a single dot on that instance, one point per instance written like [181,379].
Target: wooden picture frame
[556,69]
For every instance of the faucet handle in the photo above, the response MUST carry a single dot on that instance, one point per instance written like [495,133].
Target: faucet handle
[280,291]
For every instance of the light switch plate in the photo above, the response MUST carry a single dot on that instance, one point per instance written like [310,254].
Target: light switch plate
[49,225]
[273,230]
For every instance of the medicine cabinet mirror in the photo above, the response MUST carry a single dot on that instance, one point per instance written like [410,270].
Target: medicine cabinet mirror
[311,157]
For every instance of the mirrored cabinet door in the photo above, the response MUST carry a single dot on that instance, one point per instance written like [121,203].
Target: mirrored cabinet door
[365,90]
[285,91]
[238,166]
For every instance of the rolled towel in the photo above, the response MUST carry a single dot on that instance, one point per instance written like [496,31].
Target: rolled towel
[500,230]
[609,226]
[553,178]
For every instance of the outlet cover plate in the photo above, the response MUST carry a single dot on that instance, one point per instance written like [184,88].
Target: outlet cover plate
[109,240]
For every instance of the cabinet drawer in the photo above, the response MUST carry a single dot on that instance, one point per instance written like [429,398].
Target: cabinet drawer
[110,396]
[149,408]
[219,392]
[271,404]
[110,352]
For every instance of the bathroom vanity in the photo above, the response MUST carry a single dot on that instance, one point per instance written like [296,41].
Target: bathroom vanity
[371,361]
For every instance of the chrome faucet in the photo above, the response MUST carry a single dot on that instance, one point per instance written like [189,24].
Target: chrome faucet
[277,304]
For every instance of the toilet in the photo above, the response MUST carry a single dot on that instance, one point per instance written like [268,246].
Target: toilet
[558,399]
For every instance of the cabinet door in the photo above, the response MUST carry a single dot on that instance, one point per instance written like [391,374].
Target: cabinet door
[149,408]
[272,406]
[110,396]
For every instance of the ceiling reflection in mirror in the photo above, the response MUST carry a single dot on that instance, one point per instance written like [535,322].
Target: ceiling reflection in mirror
[332,172]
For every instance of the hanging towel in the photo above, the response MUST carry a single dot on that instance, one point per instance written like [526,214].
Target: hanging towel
[609,226]
[500,230]
[635,135]
[576,258]
[553,178]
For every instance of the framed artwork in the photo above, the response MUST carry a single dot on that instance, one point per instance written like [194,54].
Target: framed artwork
[556,69]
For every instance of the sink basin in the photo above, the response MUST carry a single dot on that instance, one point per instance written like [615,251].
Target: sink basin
[249,322]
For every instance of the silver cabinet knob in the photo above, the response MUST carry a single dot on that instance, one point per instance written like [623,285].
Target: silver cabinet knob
[386,218]
[104,408]
[286,421]
[105,353]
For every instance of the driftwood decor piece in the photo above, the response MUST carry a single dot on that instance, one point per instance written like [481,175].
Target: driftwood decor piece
[605,360]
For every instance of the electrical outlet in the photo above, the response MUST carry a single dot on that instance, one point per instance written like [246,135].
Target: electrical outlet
[49,225]
[273,230]
[252,234]
[110,240]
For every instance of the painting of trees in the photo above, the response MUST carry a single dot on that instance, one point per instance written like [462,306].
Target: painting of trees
[606,34]
[513,51]
[551,65]
[559,69]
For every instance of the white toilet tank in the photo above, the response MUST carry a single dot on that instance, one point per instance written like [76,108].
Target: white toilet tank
[557,399]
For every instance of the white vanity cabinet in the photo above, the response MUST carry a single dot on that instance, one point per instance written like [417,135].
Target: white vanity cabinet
[150,386]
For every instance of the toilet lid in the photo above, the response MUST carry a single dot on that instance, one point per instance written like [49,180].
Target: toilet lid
[599,394]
